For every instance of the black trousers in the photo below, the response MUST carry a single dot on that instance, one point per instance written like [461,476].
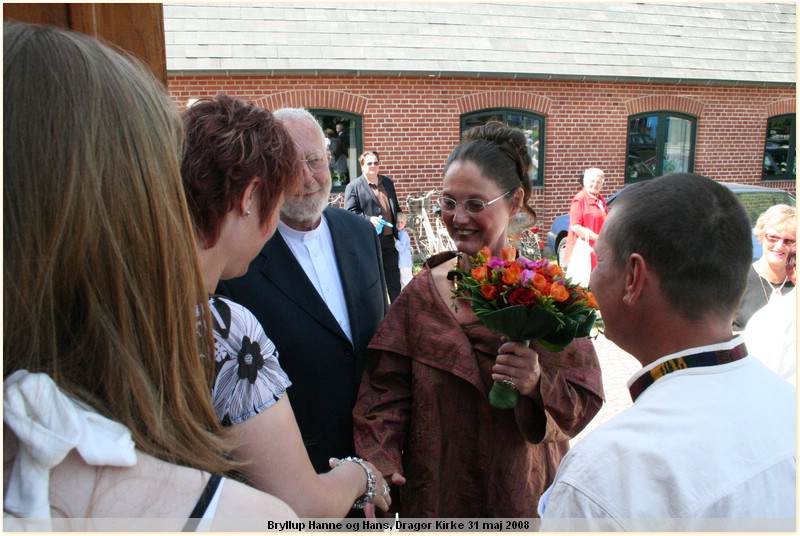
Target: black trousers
[391,270]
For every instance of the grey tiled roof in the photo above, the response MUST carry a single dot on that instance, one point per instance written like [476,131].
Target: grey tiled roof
[747,43]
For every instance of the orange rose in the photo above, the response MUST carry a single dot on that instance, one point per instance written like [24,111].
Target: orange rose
[484,255]
[559,293]
[540,283]
[512,274]
[508,253]
[480,273]
[490,292]
[554,270]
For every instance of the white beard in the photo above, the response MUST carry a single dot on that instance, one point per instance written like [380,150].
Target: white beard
[306,212]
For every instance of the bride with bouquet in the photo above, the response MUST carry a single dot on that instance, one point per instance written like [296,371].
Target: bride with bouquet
[424,415]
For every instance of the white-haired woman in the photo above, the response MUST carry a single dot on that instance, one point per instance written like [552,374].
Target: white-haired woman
[587,212]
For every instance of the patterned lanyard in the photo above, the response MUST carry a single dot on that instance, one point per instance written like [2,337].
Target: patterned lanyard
[703,359]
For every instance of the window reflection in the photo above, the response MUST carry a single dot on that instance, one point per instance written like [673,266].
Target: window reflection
[779,149]
[531,125]
[343,144]
[659,143]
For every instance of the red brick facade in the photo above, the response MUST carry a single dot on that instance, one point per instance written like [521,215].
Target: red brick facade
[414,122]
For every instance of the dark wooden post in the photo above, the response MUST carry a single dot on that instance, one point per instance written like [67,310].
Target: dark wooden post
[137,28]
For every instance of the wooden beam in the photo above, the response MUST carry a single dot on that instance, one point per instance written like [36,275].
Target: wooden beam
[137,28]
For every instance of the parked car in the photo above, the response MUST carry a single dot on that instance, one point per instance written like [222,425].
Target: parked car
[756,200]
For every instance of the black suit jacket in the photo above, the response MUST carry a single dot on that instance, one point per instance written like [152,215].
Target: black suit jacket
[324,367]
[360,199]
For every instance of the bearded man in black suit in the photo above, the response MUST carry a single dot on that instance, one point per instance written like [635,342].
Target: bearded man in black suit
[318,289]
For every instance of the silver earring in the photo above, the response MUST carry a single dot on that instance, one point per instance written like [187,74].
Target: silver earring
[247,213]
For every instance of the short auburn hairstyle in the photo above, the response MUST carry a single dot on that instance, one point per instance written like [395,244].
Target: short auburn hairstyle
[228,143]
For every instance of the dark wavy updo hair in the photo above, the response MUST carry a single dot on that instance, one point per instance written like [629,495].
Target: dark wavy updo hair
[501,153]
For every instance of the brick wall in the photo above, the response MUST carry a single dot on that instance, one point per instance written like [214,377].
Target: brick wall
[414,122]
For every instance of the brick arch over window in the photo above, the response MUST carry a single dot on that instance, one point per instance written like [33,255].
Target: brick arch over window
[503,99]
[314,98]
[788,106]
[664,102]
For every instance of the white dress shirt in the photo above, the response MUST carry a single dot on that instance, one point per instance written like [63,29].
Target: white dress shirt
[314,251]
[705,448]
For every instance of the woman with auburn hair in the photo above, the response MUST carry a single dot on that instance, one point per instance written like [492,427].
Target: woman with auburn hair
[106,407]
[238,164]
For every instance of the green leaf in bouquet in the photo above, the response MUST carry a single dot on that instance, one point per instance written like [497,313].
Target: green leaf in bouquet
[520,323]
[559,339]
[575,326]
[585,327]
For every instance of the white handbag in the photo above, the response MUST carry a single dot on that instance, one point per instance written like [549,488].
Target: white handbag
[580,263]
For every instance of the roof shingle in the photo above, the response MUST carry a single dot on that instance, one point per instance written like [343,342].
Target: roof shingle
[753,43]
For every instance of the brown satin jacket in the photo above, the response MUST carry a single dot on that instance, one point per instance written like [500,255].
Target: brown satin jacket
[423,411]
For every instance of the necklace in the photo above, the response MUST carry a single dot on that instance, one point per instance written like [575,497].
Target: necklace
[776,290]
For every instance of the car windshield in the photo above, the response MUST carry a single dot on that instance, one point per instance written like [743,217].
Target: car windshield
[758,202]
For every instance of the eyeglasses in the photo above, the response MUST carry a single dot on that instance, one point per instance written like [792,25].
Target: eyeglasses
[316,162]
[374,163]
[772,239]
[473,206]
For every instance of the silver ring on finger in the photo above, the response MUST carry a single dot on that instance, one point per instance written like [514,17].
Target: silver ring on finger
[385,490]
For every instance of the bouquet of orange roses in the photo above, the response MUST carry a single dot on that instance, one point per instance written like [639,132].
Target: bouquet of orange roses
[525,301]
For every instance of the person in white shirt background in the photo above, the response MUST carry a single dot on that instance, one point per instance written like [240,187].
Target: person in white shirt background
[771,333]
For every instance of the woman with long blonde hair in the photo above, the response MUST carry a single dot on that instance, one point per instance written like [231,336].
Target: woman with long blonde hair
[106,406]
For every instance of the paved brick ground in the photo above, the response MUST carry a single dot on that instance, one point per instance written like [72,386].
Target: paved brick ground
[618,367]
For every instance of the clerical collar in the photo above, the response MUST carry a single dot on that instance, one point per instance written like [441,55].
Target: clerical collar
[708,358]
[300,236]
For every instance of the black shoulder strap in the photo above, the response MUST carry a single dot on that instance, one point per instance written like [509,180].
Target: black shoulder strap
[202,503]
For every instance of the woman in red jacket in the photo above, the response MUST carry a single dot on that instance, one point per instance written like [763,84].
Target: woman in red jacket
[588,212]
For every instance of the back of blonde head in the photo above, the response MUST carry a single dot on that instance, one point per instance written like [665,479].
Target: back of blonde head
[101,283]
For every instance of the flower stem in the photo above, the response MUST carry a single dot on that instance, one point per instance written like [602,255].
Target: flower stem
[502,396]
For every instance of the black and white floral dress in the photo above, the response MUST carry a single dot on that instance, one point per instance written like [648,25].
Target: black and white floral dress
[248,378]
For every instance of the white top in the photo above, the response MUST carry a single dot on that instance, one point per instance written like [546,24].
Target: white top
[48,425]
[705,448]
[771,335]
[314,251]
